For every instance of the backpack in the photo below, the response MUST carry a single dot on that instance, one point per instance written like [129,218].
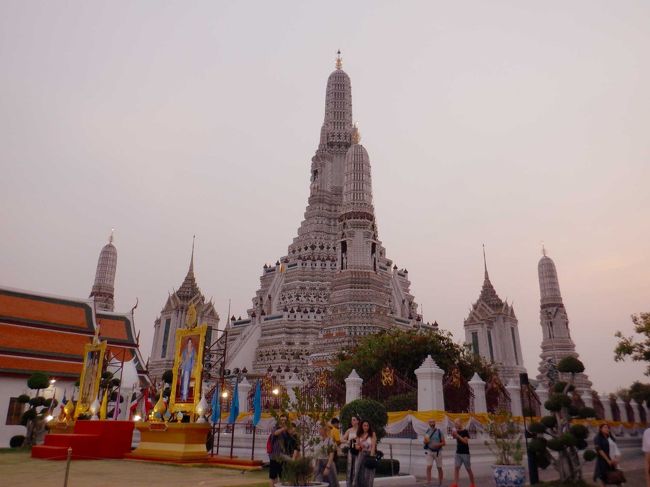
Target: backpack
[269,444]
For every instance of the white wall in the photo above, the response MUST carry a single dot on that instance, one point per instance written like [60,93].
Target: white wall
[14,387]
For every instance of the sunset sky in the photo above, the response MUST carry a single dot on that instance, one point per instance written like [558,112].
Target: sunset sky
[503,123]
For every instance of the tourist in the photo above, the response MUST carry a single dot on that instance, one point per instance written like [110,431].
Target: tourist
[335,431]
[646,450]
[349,439]
[461,435]
[366,446]
[282,448]
[604,462]
[434,441]
[325,458]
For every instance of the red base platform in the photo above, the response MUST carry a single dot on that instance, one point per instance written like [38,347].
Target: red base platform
[91,440]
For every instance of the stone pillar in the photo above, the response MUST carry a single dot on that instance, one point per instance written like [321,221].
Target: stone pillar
[637,410]
[291,383]
[621,409]
[514,390]
[587,398]
[542,393]
[243,389]
[478,388]
[604,399]
[353,385]
[430,394]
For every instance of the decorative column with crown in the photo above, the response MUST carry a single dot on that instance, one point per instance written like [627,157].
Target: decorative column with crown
[478,389]
[353,385]
[430,391]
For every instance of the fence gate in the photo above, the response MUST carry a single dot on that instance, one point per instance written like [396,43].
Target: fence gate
[459,397]
[388,383]
[496,396]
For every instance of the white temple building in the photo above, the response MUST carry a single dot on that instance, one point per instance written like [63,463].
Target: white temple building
[173,316]
[556,336]
[492,330]
[335,283]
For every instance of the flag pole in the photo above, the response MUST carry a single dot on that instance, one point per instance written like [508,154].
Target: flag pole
[253,448]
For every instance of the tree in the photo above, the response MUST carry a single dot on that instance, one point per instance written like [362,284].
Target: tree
[405,351]
[369,410]
[168,376]
[556,440]
[34,418]
[638,351]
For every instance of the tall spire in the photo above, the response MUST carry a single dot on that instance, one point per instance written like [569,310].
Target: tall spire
[485,264]
[357,181]
[488,293]
[103,290]
[189,288]
[549,284]
[337,125]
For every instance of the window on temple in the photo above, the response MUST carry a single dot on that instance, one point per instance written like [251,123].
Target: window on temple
[163,352]
[475,342]
[514,344]
[490,345]
[14,411]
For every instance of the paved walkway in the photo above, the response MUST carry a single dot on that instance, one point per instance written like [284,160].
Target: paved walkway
[19,469]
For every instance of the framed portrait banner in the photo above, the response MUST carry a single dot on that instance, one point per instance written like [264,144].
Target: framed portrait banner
[188,368]
[91,376]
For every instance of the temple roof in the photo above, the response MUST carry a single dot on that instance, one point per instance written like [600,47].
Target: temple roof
[40,332]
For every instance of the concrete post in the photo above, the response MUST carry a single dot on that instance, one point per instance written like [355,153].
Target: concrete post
[587,398]
[243,389]
[478,388]
[621,409]
[637,411]
[291,383]
[514,389]
[430,394]
[542,393]
[604,399]
[353,385]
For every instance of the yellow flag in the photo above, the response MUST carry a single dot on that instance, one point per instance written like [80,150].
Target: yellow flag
[104,407]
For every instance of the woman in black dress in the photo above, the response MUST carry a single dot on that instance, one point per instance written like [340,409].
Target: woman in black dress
[604,463]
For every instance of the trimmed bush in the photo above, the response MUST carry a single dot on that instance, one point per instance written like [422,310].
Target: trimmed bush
[168,376]
[570,365]
[27,416]
[555,444]
[38,380]
[559,387]
[37,401]
[586,412]
[568,440]
[549,421]
[589,455]
[580,431]
[23,399]
[537,428]
[537,445]
[367,410]
[17,441]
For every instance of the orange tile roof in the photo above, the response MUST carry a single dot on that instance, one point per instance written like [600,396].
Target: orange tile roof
[41,342]
[45,311]
[28,365]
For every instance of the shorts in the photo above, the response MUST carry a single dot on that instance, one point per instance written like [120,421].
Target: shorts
[434,455]
[275,469]
[462,459]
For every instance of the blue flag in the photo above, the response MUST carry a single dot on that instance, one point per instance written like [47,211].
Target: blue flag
[216,406]
[234,406]
[257,403]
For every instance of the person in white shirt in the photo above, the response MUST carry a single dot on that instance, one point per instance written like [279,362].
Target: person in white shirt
[646,451]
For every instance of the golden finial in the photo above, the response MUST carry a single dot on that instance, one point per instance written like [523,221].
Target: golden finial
[190,322]
[339,61]
[356,135]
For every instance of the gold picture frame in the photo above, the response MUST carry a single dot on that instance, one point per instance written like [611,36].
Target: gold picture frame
[186,390]
[91,376]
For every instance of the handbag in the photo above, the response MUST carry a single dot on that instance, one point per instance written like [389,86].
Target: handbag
[615,477]
[370,462]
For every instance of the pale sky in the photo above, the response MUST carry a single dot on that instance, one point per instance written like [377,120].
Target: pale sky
[504,123]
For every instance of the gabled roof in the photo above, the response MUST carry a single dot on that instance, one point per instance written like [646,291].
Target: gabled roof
[40,332]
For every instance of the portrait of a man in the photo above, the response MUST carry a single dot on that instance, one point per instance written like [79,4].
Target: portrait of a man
[185,389]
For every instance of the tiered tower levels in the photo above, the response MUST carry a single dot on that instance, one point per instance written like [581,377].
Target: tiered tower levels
[335,283]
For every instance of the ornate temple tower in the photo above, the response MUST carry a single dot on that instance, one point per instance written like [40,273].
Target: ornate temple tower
[556,336]
[335,282]
[103,290]
[491,329]
[173,316]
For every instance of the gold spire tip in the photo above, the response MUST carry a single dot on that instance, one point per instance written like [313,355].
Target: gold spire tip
[339,61]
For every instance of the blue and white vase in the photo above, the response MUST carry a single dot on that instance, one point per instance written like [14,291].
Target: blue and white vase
[509,475]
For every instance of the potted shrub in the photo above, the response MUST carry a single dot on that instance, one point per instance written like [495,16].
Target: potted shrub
[308,413]
[506,435]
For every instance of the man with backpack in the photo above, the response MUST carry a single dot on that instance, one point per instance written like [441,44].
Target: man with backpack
[434,441]
[280,446]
